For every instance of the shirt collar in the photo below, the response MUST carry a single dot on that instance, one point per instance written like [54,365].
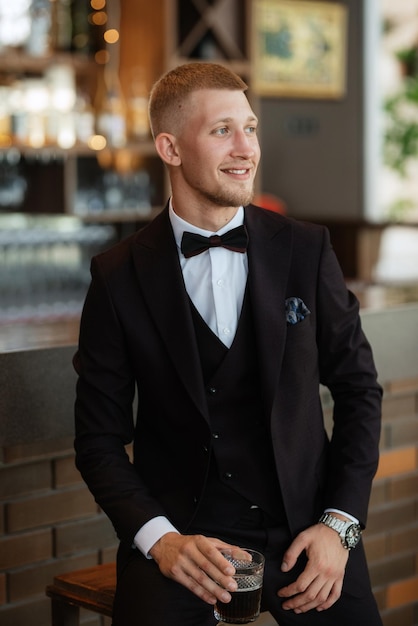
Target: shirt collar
[179,225]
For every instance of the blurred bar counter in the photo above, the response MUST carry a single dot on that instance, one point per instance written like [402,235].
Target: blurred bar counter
[44,276]
[384,296]
[39,334]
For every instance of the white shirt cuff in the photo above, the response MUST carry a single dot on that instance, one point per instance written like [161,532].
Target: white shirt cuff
[347,515]
[151,532]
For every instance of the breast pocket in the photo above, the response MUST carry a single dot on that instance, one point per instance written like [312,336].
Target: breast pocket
[301,354]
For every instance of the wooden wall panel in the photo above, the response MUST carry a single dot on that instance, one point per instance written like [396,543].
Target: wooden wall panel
[142,43]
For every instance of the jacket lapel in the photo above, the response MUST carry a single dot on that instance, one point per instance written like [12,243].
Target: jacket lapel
[161,281]
[269,252]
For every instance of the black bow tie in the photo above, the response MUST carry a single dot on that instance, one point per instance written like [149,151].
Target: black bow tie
[235,240]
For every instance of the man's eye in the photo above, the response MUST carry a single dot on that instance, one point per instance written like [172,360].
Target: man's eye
[252,130]
[221,131]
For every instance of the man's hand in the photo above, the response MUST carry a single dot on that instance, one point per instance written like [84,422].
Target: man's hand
[319,585]
[196,562]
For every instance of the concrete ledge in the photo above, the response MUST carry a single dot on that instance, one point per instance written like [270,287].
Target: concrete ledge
[37,395]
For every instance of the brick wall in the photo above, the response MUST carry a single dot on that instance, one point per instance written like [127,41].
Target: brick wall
[49,523]
[391,537]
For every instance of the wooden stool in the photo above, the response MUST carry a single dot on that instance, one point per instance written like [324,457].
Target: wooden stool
[92,588]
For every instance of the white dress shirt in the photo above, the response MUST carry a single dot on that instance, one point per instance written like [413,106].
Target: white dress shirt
[215,281]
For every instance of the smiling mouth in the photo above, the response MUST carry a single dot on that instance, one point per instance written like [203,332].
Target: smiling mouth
[237,172]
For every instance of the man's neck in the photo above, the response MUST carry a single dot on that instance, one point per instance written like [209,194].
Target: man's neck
[208,218]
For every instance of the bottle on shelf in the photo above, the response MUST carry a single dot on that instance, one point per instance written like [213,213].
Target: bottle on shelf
[61,122]
[138,126]
[35,104]
[39,42]
[81,36]
[111,112]
[15,25]
[84,118]
[62,25]
[5,116]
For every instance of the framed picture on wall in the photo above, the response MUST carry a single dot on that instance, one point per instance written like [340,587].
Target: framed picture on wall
[299,48]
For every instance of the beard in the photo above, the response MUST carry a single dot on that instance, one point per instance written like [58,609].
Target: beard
[226,197]
[218,192]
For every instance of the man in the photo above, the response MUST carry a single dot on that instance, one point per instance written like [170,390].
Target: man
[226,348]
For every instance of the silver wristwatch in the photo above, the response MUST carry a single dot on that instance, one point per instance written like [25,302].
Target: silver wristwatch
[349,532]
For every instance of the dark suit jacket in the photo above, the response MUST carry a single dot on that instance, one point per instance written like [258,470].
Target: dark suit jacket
[137,331]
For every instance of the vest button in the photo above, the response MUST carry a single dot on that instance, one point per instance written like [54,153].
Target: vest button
[228,475]
[212,390]
[215,435]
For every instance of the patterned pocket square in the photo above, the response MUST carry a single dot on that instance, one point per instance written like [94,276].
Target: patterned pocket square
[296,310]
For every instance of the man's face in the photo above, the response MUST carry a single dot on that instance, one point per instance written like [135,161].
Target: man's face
[218,148]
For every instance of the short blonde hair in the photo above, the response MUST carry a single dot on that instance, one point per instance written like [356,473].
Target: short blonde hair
[166,103]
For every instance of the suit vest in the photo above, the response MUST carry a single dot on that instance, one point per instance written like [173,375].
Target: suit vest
[242,471]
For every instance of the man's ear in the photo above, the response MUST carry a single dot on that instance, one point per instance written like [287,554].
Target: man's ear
[165,144]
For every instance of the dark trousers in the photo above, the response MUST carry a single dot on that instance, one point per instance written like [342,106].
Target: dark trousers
[145,597]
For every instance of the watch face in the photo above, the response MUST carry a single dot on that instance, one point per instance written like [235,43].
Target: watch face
[352,535]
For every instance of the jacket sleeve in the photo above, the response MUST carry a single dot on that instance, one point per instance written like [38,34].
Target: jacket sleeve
[347,369]
[104,421]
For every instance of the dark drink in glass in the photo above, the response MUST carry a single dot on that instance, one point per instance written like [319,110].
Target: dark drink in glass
[243,608]
[245,603]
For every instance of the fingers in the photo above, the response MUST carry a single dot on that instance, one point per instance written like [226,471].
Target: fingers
[333,596]
[236,553]
[320,584]
[293,552]
[204,581]
[320,595]
[197,563]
